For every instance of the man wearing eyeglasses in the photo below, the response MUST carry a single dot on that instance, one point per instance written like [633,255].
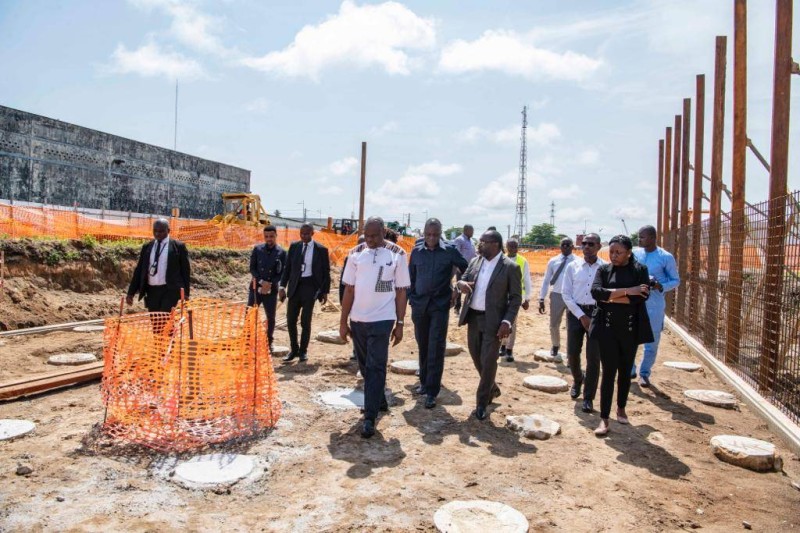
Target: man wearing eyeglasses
[553,280]
[162,271]
[577,294]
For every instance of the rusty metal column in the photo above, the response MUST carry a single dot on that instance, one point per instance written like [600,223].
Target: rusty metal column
[776,227]
[683,244]
[667,171]
[363,188]
[672,245]
[734,333]
[714,221]
[660,203]
[697,204]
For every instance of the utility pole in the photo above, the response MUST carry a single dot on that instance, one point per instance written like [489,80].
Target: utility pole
[175,141]
[363,187]
[521,219]
[553,214]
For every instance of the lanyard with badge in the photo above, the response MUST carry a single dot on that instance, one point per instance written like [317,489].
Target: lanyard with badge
[159,250]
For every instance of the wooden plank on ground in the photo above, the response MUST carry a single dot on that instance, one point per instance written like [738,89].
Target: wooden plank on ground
[53,380]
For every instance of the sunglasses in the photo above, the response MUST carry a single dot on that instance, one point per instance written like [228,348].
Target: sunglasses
[586,243]
[567,245]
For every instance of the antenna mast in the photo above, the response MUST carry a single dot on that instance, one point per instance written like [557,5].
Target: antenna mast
[521,219]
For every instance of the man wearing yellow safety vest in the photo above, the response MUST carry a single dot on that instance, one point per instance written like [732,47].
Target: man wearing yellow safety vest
[512,246]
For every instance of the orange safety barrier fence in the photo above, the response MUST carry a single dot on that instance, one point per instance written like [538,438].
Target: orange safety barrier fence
[179,381]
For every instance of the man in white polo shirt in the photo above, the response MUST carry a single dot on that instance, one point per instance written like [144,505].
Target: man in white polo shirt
[376,278]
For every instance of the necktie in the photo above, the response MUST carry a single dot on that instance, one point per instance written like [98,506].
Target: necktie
[158,254]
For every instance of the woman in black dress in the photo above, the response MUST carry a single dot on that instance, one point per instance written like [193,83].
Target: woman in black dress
[620,324]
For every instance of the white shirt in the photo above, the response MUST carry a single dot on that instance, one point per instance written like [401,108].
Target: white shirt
[161,274]
[577,289]
[552,267]
[375,275]
[478,301]
[306,270]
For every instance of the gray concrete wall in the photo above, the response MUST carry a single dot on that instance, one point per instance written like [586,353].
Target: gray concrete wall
[52,162]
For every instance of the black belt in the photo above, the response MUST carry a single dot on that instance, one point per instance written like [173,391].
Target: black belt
[587,308]
[471,310]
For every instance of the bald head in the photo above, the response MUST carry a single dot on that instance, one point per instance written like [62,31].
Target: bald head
[160,229]
[374,232]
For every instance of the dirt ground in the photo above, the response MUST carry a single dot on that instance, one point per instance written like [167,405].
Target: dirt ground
[657,474]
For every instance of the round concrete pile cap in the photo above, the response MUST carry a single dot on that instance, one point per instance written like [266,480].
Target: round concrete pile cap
[452,348]
[214,469]
[343,398]
[547,357]
[545,383]
[331,337]
[10,428]
[404,367]
[71,359]
[683,365]
[280,351]
[89,329]
[717,398]
[746,452]
[533,426]
[479,516]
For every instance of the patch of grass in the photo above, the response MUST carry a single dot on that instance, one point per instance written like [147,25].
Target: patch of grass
[89,241]
[53,257]
[220,278]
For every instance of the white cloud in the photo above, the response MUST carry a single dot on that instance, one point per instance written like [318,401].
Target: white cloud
[190,26]
[435,168]
[544,134]
[343,166]
[564,193]
[588,157]
[515,54]
[149,61]
[333,190]
[258,106]
[362,36]
[630,211]
[410,189]
[389,127]
[573,214]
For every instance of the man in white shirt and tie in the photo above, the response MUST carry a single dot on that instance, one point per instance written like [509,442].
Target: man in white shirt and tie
[553,279]
[577,293]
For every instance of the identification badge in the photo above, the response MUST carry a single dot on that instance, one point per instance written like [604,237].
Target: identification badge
[303,267]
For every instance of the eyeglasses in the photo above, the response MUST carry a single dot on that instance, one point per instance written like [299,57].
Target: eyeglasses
[566,245]
[588,243]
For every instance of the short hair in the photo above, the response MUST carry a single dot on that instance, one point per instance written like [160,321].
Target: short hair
[495,236]
[270,228]
[622,240]
[375,220]
[512,240]
[648,229]
[433,222]
[468,226]
[566,239]
[491,228]
[390,235]
[161,221]
[307,225]
[593,235]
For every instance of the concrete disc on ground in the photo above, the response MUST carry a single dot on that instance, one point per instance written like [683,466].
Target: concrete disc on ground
[89,329]
[280,351]
[683,365]
[546,383]
[214,469]
[331,337]
[717,398]
[547,357]
[10,428]
[452,348]
[746,452]
[71,359]
[479,516]
[533,426]
[343,398]
[404,367]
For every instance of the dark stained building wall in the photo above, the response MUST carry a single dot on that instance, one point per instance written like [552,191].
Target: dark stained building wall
[52,162]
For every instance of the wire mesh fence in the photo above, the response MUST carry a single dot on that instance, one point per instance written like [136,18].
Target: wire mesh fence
[741,295]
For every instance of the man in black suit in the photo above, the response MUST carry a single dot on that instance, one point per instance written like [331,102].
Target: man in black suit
[162,271]
[266,266]
[493,288]
[306,278]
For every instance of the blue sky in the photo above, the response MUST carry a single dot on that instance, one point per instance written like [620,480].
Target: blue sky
[290,89]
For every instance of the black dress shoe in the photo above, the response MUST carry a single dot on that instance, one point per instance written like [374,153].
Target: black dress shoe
[417,391]
[384,405]
[575,390]
[502,352]
[554,351]
[509,358]
[480,413]
[368,429]
[496,392]
[303,357]
[290,357]
[430,402]
[587,406]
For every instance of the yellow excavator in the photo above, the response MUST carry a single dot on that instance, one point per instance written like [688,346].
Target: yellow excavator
[241,208]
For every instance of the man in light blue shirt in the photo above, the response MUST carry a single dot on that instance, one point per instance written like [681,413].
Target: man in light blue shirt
[664,274]
[464,244]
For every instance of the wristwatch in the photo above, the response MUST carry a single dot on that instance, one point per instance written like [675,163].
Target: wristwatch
[400,322]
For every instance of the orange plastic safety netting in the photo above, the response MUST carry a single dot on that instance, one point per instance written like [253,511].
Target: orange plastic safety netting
[199,375]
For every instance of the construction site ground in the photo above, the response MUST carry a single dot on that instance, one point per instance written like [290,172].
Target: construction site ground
[658,474]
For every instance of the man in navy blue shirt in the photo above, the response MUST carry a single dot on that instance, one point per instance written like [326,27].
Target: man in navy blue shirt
[266,266]
[431,268]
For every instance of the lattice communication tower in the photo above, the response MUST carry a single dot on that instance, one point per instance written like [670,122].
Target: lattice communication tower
[521,219]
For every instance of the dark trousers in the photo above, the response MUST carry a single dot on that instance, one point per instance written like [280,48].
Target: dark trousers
[483,347]
[617,352]
[161,298]
[430,330]
[301,304]
[371,343]
[575,335]
[270,303]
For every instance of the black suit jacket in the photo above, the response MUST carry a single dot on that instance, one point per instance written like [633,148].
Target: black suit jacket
[178,269]
[320,268]
[503,294]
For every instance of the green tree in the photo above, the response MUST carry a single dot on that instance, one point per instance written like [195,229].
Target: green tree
[635,239]
[277,212]
[452,232]
[542,235]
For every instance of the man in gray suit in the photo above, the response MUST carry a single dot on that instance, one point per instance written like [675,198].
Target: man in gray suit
[493,288]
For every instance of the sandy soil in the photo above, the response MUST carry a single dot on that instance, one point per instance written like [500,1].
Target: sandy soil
[656,475]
